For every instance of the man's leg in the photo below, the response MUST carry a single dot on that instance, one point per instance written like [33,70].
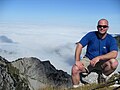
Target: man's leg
[76,71]
[109,66]
[76,74]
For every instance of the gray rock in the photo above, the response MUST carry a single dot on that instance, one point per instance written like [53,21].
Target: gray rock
[40,74]
[91,78]
[6,81]
[31,74]
[9,80]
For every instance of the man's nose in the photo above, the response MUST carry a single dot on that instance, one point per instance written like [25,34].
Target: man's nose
[102,28]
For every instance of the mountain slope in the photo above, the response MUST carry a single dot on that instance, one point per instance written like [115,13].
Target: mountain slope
[31,74]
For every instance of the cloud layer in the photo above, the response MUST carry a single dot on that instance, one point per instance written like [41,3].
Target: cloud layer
[46,42]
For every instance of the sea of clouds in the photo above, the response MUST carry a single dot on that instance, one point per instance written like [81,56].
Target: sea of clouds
[46,42]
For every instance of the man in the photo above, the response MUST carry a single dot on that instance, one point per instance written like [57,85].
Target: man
[100,55]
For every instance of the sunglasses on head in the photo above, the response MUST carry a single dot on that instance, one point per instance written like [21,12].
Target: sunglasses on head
[104,26]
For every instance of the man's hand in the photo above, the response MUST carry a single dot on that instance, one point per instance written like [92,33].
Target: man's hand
[94,61]
[80,65]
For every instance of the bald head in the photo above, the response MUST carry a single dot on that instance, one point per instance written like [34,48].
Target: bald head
[103,21]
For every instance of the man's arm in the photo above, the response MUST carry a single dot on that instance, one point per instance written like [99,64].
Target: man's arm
[77,56]
[110,55]
[78,52]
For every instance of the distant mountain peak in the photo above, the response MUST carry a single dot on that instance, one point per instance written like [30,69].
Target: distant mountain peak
[5,39]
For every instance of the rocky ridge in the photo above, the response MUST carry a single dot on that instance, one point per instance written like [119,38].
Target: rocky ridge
[31,74]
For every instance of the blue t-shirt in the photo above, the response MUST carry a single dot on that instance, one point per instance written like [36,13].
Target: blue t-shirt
[97,46]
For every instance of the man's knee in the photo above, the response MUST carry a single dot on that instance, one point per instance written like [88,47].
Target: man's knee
[113,63]
[75,70]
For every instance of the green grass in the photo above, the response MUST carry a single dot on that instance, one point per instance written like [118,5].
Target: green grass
[85,87]
[92,86]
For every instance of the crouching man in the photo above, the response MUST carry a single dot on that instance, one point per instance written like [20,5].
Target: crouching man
[100,54]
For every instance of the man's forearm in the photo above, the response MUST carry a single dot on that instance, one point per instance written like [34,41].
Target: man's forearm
[110,55]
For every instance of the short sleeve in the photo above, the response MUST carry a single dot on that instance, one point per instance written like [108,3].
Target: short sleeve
[84,41]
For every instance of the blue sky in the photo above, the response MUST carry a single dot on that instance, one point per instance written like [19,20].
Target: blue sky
[84,13]
[59,10]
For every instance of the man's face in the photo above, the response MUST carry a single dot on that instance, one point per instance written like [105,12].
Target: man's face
[102,27]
